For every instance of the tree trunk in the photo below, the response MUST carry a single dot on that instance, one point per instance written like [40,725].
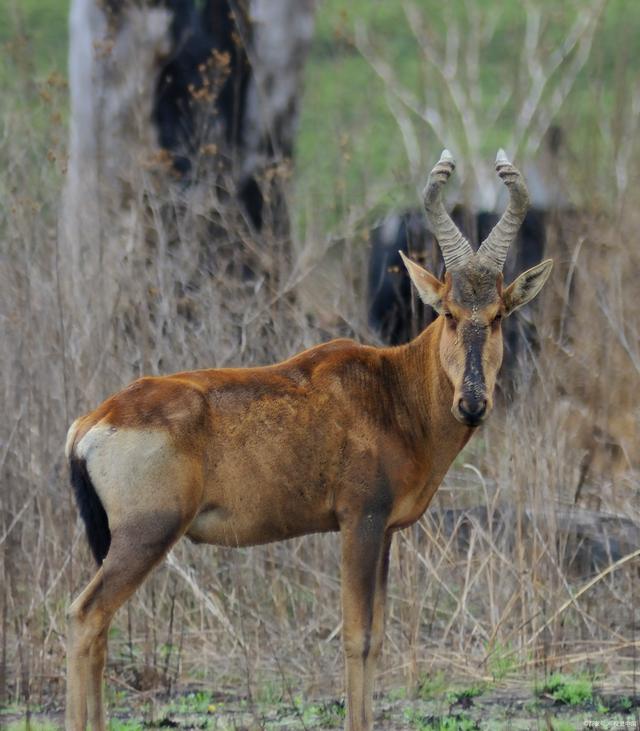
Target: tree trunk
[183,122]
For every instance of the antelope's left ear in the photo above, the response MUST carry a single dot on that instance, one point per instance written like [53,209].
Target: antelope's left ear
[526,286]
[429,287]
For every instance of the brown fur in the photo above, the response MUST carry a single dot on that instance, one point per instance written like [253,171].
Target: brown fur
[340,437]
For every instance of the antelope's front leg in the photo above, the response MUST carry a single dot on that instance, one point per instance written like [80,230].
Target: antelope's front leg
[365,552]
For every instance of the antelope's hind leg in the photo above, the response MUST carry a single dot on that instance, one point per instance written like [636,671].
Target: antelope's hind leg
[365,561]
[136,547]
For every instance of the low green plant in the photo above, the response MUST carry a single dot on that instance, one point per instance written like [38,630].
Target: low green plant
[625,703]
[197,702]
[501,661]
[453,722]
[561,725]
[601,708]
[117,724]
[569,690]
[397,694]
[325,715]
[269,693]
[466,694]
[23,725]
[432,685]
[415,719]
[532,707]
[20,708]
[332,714]
[117,700]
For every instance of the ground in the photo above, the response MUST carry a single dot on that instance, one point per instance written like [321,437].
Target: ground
[562,704]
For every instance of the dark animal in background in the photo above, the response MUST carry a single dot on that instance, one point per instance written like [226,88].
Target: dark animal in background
[393,313]
[397,316]
[201,94]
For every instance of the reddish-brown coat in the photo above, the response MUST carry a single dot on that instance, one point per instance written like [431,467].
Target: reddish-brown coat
[297,447]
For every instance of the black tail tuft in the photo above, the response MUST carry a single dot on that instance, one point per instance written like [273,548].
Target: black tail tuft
[91,509]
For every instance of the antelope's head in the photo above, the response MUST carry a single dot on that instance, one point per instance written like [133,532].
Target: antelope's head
[472,300]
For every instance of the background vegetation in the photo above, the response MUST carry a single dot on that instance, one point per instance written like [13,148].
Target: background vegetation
[526,566]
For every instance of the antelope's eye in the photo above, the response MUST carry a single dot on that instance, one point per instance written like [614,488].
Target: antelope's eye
[451,320]
[496,319]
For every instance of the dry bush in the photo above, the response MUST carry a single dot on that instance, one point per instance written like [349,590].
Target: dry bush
[507,572]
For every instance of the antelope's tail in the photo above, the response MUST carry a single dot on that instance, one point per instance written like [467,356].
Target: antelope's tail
[89,504]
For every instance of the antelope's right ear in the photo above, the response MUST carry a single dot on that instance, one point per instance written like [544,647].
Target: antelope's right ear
[526,286]
[429,287]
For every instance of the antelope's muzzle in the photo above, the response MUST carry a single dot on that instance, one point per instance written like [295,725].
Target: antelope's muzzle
[472,403]
[472,410]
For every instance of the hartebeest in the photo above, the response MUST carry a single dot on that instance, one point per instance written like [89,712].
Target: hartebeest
[340,437]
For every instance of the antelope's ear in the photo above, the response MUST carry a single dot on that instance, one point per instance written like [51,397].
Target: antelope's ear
[429,287]
[526,286]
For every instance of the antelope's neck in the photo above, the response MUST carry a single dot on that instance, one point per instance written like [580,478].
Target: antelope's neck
[428,394]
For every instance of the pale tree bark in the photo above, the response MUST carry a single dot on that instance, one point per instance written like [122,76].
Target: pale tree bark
[183,122]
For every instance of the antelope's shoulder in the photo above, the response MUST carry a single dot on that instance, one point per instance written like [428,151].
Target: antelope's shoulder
[332,355]
[297,377]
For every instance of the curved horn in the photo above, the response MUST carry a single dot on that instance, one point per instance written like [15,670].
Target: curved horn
[455,248]
[493,251]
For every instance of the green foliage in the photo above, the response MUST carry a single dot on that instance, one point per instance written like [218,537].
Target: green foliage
[562,725]
[359,140]
[569,690]
[501,661]
[191,703]
[397,694]
[117,700]
[431,686]
[625,703]
[269,693]
[453,722]
[23,725]
[329,714]
[348,136]
[42,24]
[466,694]
[118,724]
[532,707]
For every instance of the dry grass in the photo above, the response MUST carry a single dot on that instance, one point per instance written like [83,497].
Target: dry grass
[500,577]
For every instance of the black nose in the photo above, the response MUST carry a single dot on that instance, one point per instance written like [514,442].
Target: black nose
[473,409]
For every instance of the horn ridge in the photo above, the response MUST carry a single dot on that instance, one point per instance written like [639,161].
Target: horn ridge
[455,248]
[493,251]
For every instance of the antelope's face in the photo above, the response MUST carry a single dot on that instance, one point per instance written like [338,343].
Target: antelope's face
[471,341]
[472,301]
